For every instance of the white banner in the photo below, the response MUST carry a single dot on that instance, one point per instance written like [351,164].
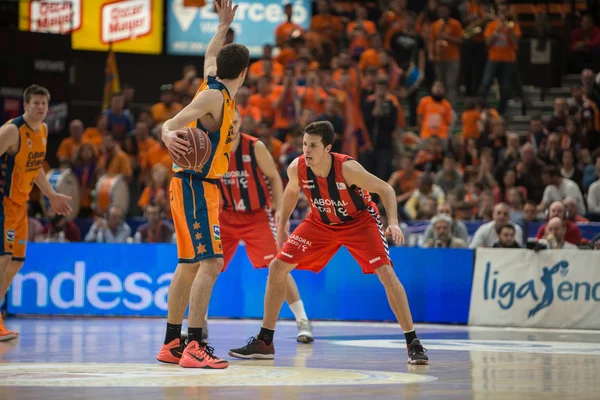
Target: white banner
[545,289]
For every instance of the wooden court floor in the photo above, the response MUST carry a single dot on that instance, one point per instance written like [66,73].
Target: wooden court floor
[56,359]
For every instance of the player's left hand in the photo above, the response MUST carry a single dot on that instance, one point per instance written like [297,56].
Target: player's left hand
[60,204]
[226,11]
[396,232]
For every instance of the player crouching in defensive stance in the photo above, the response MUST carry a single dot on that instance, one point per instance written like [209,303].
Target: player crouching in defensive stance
[342,214]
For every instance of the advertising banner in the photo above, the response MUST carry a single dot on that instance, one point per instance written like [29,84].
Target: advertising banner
[133,280]
[132,26]
[190,29]
[545,289]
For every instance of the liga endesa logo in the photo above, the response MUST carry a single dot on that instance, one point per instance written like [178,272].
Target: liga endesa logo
[102,291]
[553,284]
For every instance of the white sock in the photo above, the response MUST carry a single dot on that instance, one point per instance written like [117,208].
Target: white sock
[298,310]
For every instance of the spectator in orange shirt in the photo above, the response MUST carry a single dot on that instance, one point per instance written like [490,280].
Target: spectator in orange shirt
[156,191]
[370,57]
[94,134]
[113,160]
[190,82]
[259,68]
[502,38]
[312,96]
[445,40]
[143,139]
[167,108]
[470,118]
[346,64]
[157,154]
[434,113]
[361,19]
[242,102]
[328,26]
[284,31]
[263,100]
[265,134]
[69,147]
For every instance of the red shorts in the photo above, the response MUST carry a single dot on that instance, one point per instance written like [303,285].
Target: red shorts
[256,229]
[312,244]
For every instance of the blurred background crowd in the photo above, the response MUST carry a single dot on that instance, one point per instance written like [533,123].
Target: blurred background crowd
[428,96]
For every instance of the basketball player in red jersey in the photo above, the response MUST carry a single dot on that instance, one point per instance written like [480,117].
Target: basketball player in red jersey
[195,196]
[22,151]
[249,191]
[342,214]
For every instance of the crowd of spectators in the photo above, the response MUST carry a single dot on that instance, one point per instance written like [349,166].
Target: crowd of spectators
[393,84]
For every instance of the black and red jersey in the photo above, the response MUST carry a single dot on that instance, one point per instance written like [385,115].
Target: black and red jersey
[331,199]
[244,187]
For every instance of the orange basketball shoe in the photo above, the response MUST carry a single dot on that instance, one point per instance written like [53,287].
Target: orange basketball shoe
[171,352]
[200,355]
[5,334]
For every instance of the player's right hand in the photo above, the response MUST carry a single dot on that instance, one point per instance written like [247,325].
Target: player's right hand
[226,11]
[175,142]
[282,237]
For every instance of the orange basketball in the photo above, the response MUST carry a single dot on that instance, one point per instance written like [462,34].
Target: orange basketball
[198,152]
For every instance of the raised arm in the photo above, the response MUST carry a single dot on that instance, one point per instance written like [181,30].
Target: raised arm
[267,165]
[226,13]
[288,203]
[355,174]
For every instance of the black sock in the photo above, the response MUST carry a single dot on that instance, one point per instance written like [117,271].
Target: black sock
[266,335]
[410,336]
[173,332]
[195,334]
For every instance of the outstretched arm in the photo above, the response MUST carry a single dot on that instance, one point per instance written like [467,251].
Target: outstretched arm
[288,203]
[355,174]
[226,13]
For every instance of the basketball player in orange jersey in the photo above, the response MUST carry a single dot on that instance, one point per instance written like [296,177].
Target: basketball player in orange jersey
[342,214]
[22,152]
[249,191]
[195,196]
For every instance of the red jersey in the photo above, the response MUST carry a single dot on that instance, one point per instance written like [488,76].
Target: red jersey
[331,200]
[244,187]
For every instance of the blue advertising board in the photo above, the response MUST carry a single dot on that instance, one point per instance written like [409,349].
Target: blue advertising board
[190,29]
[133,280]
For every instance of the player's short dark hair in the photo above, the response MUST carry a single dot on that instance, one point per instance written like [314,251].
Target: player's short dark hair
[34,90]
[232,59]
[324,129]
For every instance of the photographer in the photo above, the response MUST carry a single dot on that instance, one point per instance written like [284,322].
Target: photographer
[442,237]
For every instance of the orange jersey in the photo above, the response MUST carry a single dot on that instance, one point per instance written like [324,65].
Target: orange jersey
[20,170]
[221,139]
[452,28]
[502,50]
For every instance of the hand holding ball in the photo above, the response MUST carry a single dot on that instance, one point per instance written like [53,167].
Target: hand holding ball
[189,148]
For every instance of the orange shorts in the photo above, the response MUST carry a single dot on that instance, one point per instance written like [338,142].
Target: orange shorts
[312,244]
[13,226]
[195,209]
[256,229]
